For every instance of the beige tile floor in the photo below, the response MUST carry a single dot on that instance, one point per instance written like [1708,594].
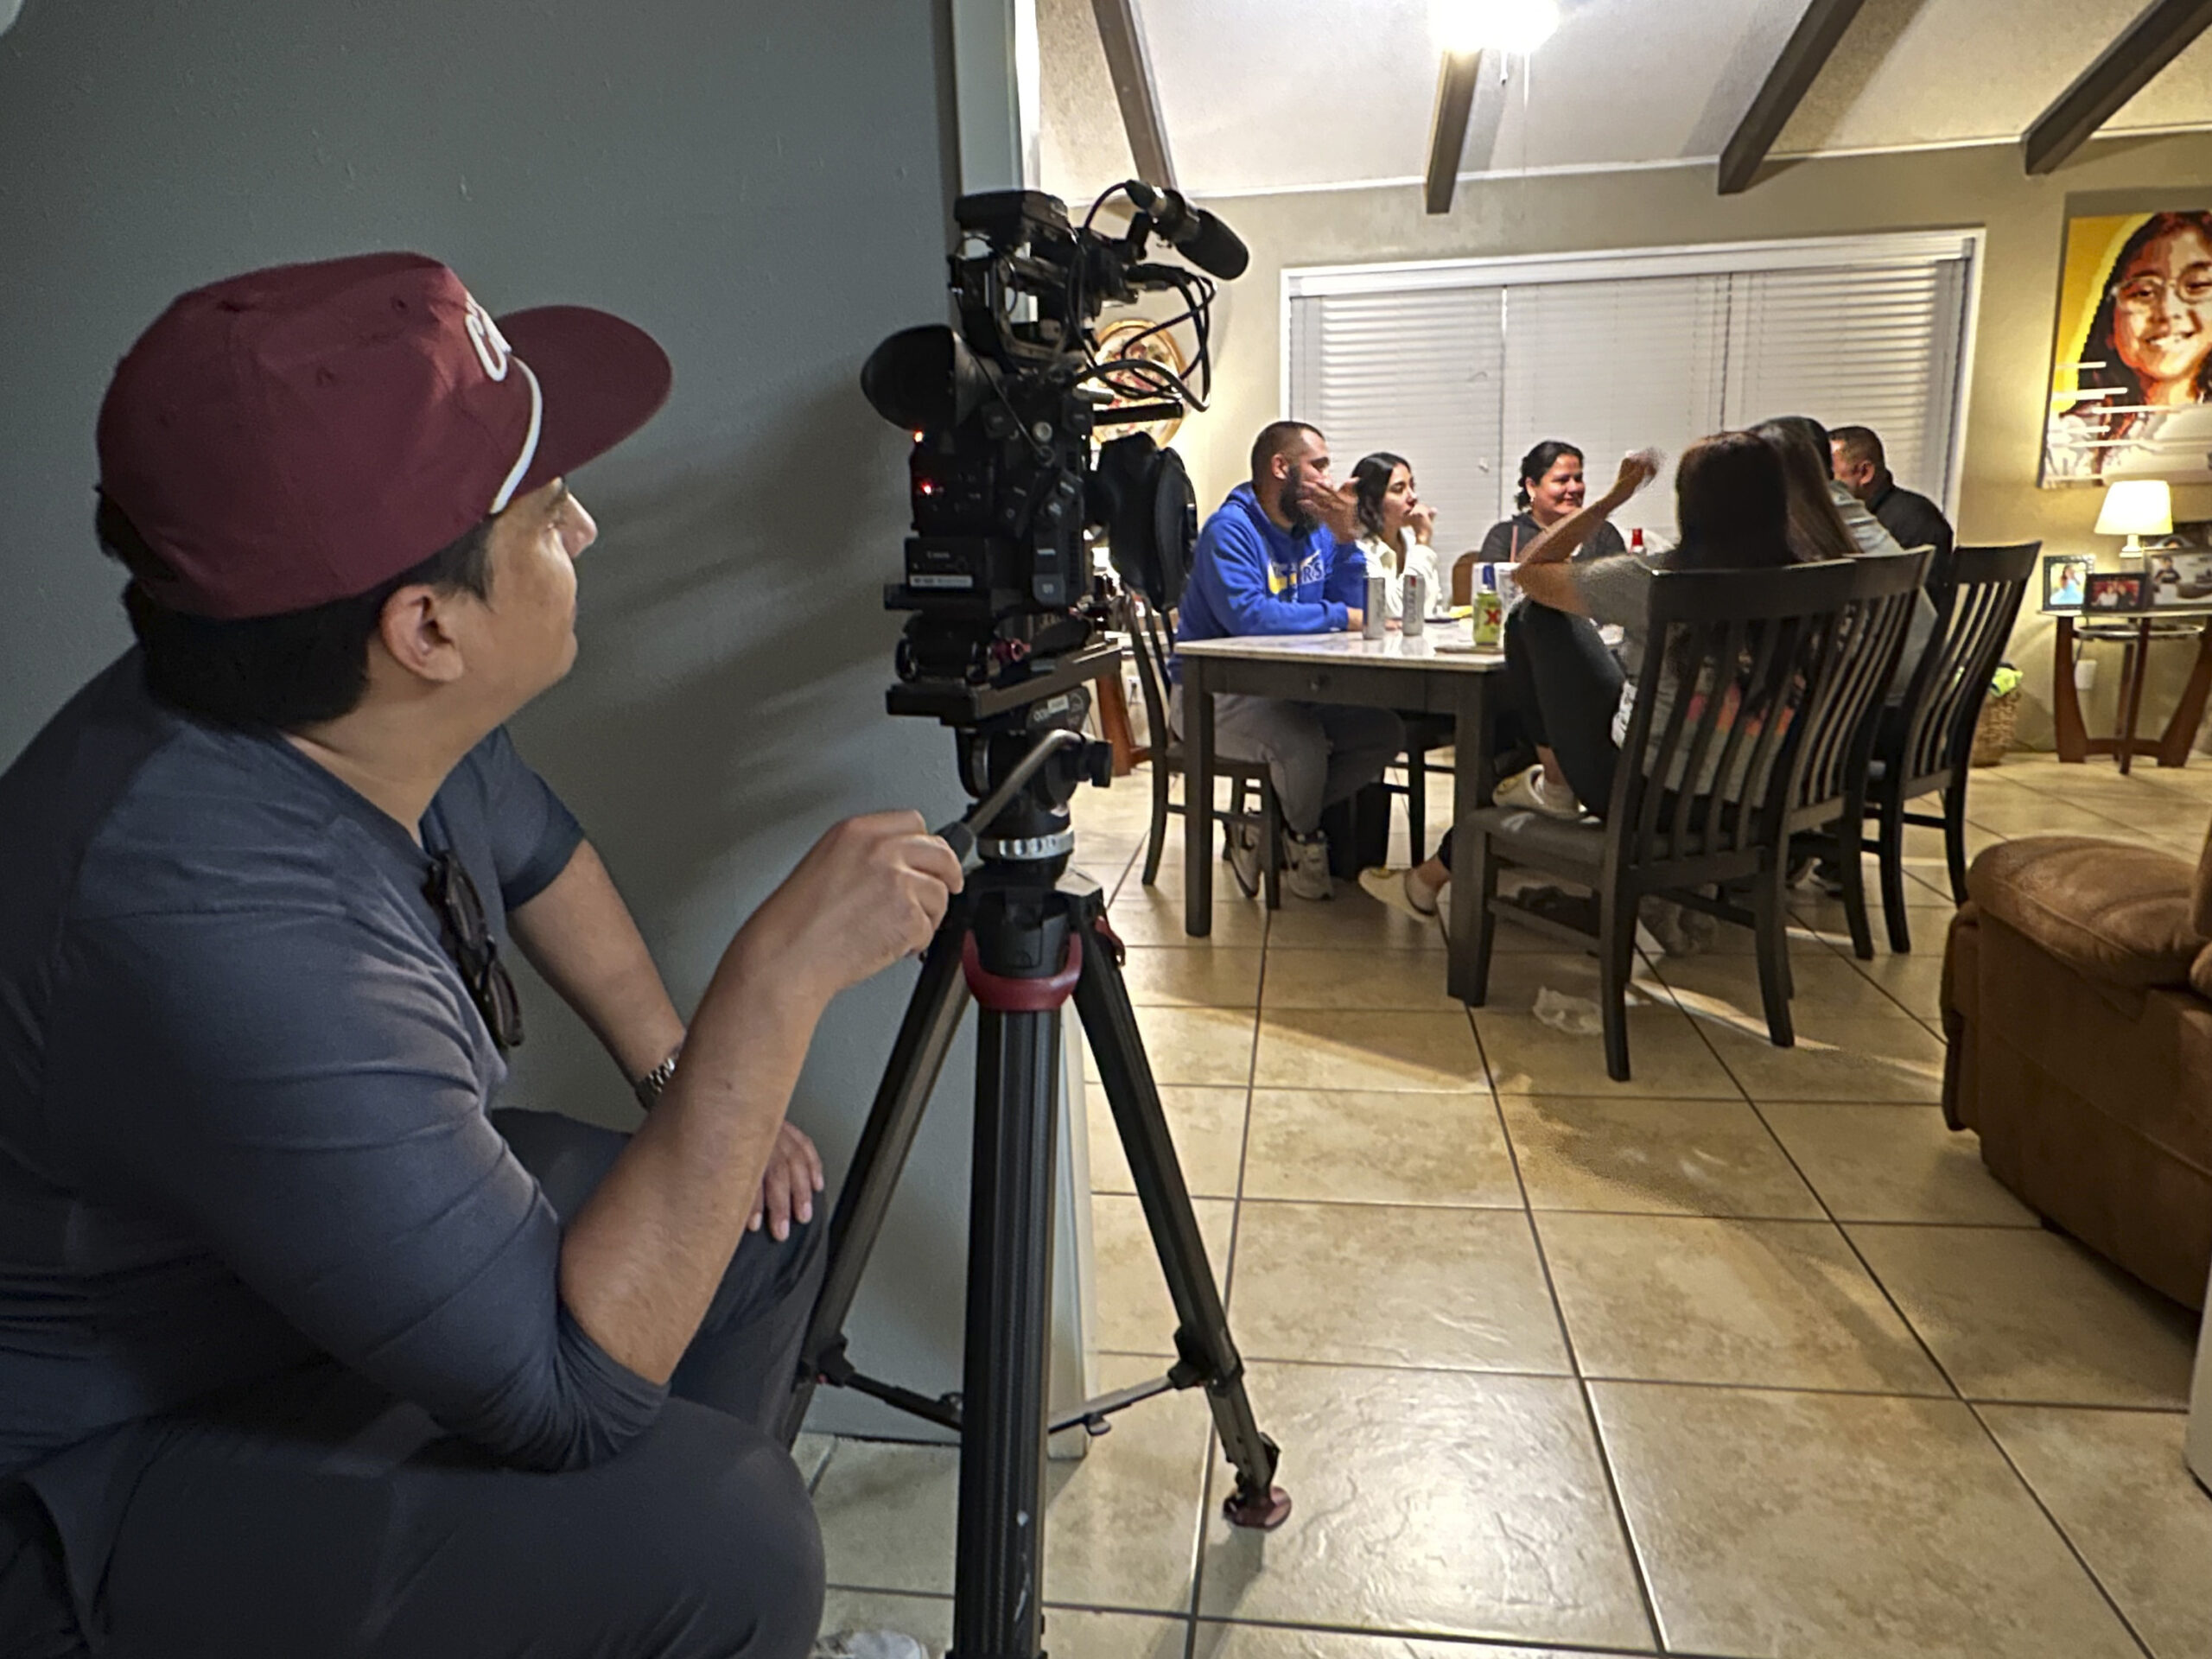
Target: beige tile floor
[1750,1357]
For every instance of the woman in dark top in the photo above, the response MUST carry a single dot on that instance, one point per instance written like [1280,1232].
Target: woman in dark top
[1733,501]
[1551,490]
[1551,487]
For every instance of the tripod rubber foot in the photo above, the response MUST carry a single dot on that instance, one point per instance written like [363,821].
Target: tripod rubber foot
[1260,1514]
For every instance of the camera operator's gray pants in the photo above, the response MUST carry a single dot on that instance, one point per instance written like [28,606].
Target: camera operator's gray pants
[313,1513]
[1318,754]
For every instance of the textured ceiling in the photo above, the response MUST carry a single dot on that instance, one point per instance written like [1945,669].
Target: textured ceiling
[1291,94]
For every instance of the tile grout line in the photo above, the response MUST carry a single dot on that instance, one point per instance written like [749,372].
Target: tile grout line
[1625,1529]
[1223,1284]
[1827,1211]
[1827,1217]
[1957,1392]
[1474,1646]
[2058,1527]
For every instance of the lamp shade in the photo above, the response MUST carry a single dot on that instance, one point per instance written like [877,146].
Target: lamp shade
[2137,507]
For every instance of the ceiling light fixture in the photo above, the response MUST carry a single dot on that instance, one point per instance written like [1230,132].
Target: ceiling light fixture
[1515,26]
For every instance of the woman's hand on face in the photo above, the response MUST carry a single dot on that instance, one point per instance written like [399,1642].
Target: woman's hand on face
[1423,520]
[1638,469]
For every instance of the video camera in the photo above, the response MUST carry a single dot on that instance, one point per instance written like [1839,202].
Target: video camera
[1002,407]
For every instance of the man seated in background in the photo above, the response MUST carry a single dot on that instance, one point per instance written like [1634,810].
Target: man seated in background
[1863,470]
[1281,556]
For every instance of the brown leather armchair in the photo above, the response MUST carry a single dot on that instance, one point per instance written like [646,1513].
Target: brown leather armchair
[2077,998]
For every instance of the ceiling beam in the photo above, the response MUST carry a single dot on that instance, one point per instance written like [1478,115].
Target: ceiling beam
[1447,129]
[1120,31]
[2122,69]
[1787,83]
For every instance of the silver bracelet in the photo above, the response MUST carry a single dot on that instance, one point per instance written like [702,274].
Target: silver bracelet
[648,1088]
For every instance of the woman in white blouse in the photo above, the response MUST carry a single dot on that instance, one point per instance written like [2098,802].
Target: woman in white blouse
[1394,527]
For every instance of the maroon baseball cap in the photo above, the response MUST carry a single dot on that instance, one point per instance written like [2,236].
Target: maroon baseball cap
[302,434]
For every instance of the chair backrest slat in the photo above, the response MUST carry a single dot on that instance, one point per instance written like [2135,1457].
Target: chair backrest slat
[1767,677]
[1148,637]
[1978,591]
[1845,697]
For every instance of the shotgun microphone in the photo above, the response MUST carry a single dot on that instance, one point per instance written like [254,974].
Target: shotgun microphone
[1191,231]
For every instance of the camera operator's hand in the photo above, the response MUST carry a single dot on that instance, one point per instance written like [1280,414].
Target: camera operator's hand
[788,1185]
[871,891]
[1336,505]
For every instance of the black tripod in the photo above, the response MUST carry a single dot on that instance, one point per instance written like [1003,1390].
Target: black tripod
[1019,940]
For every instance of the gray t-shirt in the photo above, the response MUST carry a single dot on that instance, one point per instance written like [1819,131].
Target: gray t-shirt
[1872,536]
[1618,591]
[243,1093]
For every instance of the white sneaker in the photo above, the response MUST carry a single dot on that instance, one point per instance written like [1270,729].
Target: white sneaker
[869,1645]
[1307,871]
[1399,890]
[1443,909]
[1534,791]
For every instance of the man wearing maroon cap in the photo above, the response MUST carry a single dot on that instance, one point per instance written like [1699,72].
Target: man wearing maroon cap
[302,1349]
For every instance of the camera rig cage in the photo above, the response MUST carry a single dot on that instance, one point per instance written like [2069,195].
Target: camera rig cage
[1003,407]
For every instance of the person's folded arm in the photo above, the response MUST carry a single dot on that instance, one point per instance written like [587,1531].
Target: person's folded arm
[300,1094]
[298,1089]
[581,936]
[1232,577]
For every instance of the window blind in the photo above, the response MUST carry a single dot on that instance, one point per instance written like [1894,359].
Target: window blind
[1610,366]
[1416,374]
[1876,345]
[1461,365]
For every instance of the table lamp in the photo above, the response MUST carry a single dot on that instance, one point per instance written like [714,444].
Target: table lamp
[2136,507]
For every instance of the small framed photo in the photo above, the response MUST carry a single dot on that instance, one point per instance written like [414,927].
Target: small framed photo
[2113,590]
[2179,577]
[2065,580]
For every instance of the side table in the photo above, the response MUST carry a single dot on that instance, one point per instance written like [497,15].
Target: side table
[2137,632]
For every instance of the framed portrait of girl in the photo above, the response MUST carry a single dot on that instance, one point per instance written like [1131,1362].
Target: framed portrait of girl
[2131,393]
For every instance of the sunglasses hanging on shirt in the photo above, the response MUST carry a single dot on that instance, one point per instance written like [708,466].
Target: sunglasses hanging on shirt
[468,938]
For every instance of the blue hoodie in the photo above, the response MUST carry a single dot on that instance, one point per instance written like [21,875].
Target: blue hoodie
[1248,576]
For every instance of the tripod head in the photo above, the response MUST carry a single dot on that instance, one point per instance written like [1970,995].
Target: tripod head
[1024,766]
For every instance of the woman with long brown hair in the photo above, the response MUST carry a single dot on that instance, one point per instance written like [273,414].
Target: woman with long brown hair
[1731,500]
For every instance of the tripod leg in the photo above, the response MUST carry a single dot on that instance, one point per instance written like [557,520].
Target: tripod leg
[925,1034]
[1202,1337]
[998,1569]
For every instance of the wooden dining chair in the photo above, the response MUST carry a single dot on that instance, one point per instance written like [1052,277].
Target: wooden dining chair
[1771,674]
[1927,744]
[1152,637]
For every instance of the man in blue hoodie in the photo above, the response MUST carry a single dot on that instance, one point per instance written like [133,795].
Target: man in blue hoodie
[1279,556]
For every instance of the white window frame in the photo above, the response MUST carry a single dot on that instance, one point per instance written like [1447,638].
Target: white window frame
[1698,259]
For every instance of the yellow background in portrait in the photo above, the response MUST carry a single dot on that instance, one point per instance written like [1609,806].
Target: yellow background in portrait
[2091,246]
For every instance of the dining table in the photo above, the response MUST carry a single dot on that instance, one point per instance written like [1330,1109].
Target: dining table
[1436,670]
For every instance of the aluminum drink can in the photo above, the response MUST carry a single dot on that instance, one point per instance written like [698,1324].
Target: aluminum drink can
[1416,595]
[1489,626]
[1378,607]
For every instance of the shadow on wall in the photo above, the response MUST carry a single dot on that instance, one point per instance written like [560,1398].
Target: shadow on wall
[726,708]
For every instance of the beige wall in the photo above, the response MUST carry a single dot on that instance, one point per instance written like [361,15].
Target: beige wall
[2024,219]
